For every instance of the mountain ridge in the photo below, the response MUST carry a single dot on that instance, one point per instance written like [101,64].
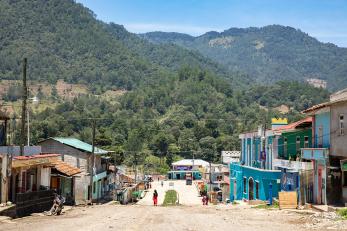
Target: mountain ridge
[267,54]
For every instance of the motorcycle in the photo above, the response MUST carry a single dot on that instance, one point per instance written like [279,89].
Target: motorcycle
[58,205]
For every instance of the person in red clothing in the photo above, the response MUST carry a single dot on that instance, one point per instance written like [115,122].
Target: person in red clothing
[155,198]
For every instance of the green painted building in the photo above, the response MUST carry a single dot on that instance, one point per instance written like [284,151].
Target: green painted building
[291,142]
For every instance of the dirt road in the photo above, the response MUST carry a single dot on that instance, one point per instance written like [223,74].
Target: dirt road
[189,218]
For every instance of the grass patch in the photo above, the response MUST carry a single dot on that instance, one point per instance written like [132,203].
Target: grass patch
[275,205]
[342,213]
[170,198]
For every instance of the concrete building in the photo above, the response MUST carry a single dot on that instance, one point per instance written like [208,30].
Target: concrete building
[230,156]
[78,154]
[269,159]
[181,167]
[329,152]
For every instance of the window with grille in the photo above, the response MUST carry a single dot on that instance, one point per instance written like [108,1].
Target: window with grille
[298,143]
[285,146]
[341,125]
[244,185]
[306,142]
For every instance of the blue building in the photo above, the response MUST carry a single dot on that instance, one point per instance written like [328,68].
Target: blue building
[252,183]
[271,159]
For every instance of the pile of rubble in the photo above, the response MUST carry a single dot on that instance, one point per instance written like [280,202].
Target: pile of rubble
[326,220]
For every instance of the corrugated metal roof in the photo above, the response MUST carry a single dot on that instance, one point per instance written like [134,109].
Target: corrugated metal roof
[76,143]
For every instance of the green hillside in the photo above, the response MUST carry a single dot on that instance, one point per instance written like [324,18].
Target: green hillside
[267,54]
[176,102]
[63,40]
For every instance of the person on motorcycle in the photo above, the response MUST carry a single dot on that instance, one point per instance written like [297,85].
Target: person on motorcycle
[58,203]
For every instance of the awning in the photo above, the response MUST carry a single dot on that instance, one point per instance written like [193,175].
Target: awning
[65,168]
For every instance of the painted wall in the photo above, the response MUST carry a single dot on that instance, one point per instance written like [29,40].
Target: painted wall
[292,152]
[322,120]
[182,175]
[338,141]
[263,177]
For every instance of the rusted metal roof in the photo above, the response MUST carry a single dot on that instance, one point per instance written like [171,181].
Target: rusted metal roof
[35,156]
[34,160]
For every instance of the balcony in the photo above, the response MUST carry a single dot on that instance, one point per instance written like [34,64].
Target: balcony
[314,153]
[288,164]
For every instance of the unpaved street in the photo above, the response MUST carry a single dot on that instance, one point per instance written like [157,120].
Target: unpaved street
[193,218]
[189,216]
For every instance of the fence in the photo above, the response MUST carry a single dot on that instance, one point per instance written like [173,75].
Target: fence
[33,202]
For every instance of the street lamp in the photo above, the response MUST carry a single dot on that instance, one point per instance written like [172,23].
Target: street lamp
[35,101]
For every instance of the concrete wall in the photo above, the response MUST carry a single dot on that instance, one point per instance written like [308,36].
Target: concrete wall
[71,155]
[338,141]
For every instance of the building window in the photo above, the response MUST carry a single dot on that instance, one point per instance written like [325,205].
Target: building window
[94,187]
[320,137]
[256,190]
[297,143]
[306,143]
[285,142]
[244,185]
[341,125]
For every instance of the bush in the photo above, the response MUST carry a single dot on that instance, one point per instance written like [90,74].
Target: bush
[170,198]
[342,213]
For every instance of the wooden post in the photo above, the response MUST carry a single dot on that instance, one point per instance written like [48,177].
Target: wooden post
[24,106]
[4,179]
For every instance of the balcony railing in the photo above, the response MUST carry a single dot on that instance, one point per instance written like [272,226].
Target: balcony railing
[296,165]
[314,153]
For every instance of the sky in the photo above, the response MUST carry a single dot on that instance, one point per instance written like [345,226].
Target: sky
[325,20]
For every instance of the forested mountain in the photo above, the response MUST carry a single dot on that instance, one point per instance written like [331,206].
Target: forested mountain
[267,54]
[63,40]
[175,101]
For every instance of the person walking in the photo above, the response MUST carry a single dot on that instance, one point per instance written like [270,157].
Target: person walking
[155,197]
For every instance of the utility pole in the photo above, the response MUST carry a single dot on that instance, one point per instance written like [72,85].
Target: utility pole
[24,106]
[92,163]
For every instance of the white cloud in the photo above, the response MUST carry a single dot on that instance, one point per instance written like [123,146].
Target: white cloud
[187,29]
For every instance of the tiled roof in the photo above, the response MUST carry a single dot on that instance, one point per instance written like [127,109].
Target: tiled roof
[78,144]
[294,125]
[65,168]
[322,105]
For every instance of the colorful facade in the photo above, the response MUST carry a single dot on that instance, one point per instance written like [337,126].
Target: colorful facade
[270,161]
[329,152]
